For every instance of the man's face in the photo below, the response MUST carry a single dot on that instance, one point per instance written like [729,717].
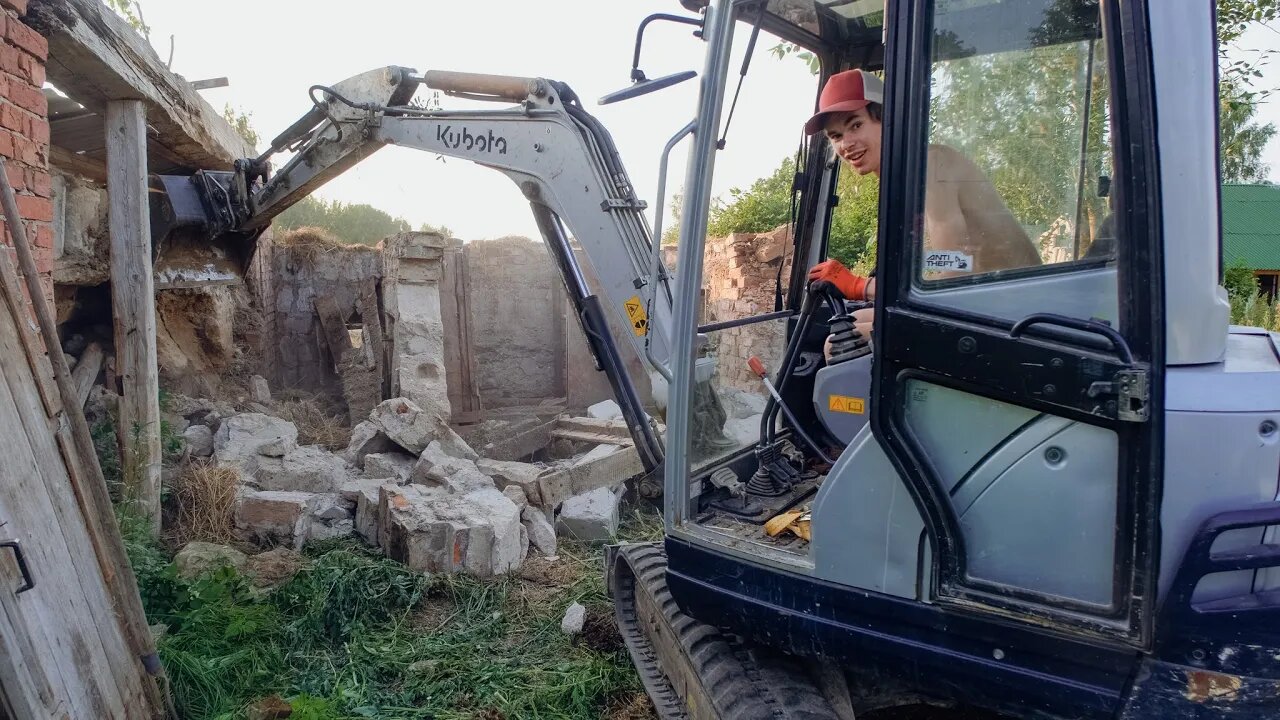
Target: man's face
[856,139]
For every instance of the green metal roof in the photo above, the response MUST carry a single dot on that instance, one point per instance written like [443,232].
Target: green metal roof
[1251,226]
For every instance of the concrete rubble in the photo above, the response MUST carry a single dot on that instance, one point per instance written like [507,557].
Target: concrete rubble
[431,530]
[591,516]
[242,437]
[196,558]
[199,440]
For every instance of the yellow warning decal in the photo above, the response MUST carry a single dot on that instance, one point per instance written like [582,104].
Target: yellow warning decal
[639,318]
[846,404]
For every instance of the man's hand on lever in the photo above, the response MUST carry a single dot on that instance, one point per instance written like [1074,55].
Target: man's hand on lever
[852,287]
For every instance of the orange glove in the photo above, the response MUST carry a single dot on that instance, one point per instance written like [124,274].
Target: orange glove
[853,287]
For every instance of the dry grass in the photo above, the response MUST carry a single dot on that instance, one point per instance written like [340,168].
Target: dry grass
[308,243]
[204,496]
[315,425]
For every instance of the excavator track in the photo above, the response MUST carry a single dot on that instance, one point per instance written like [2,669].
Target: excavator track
[693,671]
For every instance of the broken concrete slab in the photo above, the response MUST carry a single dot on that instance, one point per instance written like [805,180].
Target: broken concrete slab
[605,410]
[438,467]
[516,495]
[430,530]
[272,517]
[413,428]
[366,523]
[389,464]
[607,468]
[259,391]
[351,489]
[520,444]
[243,436]
[541,534]
[739,404]
[199,440]
[591,516]
[307,468]
[411,293]
[196,558]
[367,438]
[507,473]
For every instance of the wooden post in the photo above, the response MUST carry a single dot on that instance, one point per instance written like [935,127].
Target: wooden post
[133,301]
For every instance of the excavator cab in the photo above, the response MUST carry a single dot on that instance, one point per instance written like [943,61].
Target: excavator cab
[1045,488]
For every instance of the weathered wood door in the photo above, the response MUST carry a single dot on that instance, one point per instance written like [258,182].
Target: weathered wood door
[62,649]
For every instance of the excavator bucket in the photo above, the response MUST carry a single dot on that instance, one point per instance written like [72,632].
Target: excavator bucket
[191,245]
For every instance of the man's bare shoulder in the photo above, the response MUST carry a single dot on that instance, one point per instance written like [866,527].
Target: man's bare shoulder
[946,164]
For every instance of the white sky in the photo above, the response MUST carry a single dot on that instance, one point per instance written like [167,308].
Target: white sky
[273,50]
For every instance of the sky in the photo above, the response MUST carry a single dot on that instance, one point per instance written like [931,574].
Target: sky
[271,51]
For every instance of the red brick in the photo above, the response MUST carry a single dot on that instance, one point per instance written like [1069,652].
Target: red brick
[28,152]
[29,98]
[13,60]
[43,236]
[33,70]
[6,144]
[44,259]
[27,39]
[40,183]
[17,176]
[13,118]
[38,130]
[20,6]
[35,208]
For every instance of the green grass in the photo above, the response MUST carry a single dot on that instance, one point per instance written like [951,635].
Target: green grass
[354,635]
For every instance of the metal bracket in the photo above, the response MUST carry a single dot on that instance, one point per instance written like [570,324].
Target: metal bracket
[1132,389]
[618,204]
[28,582]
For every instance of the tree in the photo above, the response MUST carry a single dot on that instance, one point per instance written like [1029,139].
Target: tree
[1242,139]
[131,11]
[352,223]
[239,121]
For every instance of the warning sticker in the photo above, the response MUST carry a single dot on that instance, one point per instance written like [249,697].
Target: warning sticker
[846,404]
[948,260]
[639,318]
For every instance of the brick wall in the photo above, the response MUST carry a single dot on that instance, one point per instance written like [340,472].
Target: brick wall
[738,279]
[24,132]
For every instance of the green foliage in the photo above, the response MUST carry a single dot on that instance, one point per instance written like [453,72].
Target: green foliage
[241,122]
[349,637]
[131,11]
[762,207]
[1239,281]
[1248,305]
[351,223]
[103,433]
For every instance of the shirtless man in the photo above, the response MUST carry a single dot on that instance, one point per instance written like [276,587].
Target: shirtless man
[968,229]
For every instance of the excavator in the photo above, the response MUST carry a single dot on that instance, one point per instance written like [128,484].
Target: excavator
[1049,491]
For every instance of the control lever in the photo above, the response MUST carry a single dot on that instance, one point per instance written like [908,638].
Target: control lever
[757,367]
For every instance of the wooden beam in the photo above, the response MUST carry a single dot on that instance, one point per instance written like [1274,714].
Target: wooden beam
[133,301]
[95,58]
[86,372]
[81,165]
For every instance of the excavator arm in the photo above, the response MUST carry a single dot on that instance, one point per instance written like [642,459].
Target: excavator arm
[562,160]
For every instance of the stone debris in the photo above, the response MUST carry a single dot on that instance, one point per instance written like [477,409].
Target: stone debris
[259,391]
[413,428]
[541,534]
[199,440]
[574,618]
[367,512]
[243,436]
[389,464]
[366,439]
[522,475]
[351,489]
[307,468]
[516,495]
[273,517]
[273,568]
[438,468]
[430,530]
[196,558]
[591,516]
[605,410]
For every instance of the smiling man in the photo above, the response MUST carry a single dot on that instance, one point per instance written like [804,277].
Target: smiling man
[967,227]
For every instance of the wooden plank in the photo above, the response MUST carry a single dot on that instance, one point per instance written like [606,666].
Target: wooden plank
[371,318]
[95,58]
[608,471]
[16,302]
[615,428]
[25,689]
[87,656]
[82,165]
[133,300]
[86,371]
[589,437]
[519,445]
[335,328]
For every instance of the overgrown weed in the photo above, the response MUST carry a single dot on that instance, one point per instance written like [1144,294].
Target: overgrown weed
[204,496]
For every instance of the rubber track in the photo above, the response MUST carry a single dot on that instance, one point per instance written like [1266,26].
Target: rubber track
[742,681]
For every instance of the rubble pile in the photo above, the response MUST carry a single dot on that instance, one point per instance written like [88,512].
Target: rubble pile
[410,485]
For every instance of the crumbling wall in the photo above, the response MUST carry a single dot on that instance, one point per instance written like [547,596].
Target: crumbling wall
[294,270]
[24,134]
[517,307]
[739,279]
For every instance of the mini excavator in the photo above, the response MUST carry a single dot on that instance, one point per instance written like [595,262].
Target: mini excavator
[1042,492]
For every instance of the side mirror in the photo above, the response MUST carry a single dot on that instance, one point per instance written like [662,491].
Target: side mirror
[644,87]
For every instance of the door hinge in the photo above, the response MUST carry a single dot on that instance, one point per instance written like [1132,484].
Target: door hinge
[1132,389]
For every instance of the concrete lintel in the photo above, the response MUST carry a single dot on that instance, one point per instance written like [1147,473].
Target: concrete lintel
[95,58]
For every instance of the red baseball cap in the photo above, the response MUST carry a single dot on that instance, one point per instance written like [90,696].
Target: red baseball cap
[845,92]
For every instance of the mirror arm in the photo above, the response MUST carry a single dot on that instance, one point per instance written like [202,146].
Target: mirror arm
[636,74]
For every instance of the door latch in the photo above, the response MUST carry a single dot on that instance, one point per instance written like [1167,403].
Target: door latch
[1132,389]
